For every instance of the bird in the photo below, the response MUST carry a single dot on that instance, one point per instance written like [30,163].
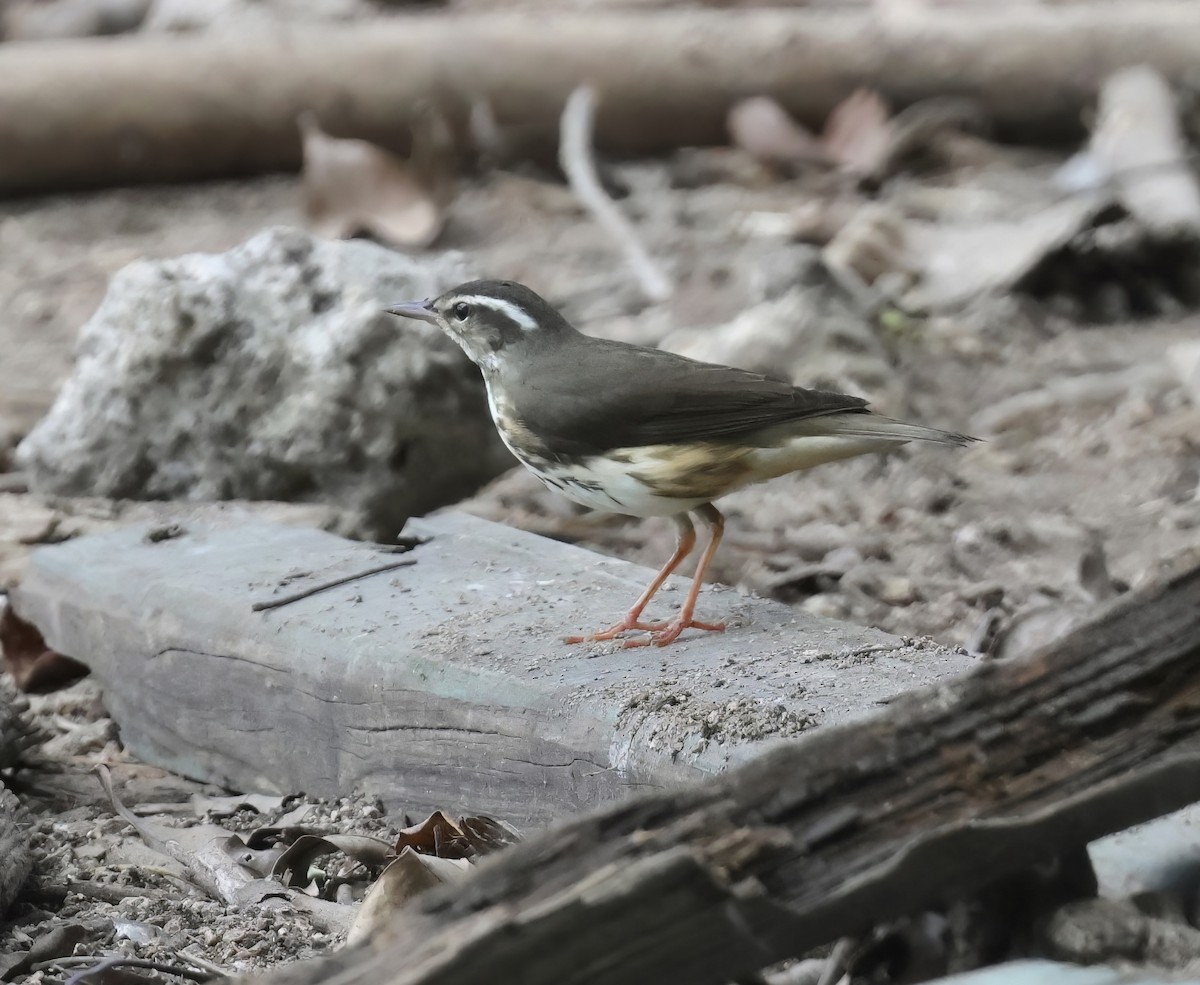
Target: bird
[640,431]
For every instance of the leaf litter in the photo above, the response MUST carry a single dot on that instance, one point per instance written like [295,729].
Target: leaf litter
[135,869]
[1124,211]
[34,666]
[353,187]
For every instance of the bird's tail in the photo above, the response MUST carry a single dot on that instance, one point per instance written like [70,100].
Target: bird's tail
[870,426]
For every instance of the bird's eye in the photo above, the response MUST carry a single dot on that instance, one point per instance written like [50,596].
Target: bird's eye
[461,310]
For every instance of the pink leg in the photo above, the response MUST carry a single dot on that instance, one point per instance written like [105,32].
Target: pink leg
[684,543]
[668,633]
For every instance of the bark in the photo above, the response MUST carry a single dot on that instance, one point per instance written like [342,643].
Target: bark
[125,110]
[16,862]
[946,791]
[17,730]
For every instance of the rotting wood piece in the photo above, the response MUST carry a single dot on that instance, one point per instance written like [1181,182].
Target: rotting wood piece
[944,791]
[16,862]
[76,114]
[17,730]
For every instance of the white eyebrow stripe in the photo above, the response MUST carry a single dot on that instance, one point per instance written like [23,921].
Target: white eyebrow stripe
[512,312]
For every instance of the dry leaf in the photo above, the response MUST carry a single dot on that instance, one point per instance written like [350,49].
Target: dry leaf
[353,187]
[962,261]
[292,867]
[34,666]
[872,243]
[408,875]
[469,836]
[765,130]
[219,807]
[858,132]
[486,834]
[1138,144]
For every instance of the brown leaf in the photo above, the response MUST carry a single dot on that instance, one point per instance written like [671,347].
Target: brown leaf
[291,868]
[34,666]
[353,187]
[408,875]
[857,133]
[765,130]
[486,834]
[465,838]
[436,835]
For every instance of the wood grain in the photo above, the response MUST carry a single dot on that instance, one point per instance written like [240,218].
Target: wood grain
[444,685]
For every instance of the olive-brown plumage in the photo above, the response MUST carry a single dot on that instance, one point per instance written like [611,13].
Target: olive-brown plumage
[636,430]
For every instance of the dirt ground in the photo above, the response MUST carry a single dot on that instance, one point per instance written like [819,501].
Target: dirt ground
[925,542]
[1086,484]
[100,889]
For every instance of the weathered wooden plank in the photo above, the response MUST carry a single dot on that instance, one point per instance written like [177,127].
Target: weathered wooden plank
[442,685]
[1015,764]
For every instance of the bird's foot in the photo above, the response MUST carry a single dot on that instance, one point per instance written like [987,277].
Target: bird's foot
[666,633]
[624,626]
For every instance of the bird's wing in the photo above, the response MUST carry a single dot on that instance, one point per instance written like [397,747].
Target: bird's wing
[608,395]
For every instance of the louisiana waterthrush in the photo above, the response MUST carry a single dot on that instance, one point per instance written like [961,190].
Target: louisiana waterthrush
[639,431]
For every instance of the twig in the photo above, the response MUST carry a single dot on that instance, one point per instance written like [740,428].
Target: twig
[575,158]
[835,965]
[126,814]
[107,964]
[110,892]
[297,596]
[170,849]
[200,962]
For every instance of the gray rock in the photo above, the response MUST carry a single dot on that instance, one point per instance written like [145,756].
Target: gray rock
[272,372]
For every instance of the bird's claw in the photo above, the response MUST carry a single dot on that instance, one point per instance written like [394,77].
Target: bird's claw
[624,626]
[669,632]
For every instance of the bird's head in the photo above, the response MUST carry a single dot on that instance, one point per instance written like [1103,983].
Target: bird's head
[491,319]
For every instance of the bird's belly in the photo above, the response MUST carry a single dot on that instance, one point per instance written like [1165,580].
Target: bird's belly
[607,486]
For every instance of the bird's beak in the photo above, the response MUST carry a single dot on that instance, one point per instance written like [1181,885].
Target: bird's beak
[420,310]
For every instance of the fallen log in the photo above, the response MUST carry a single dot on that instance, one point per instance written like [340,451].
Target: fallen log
[125,110]
[1012,765]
